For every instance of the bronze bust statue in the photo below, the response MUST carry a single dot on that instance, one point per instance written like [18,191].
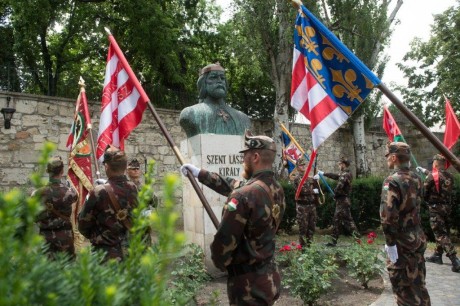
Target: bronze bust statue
[212,115]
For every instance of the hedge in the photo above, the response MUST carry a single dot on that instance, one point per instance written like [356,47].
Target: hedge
[365,205]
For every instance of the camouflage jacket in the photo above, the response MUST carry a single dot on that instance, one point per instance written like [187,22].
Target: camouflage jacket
[97,220]
[249,219]
[56,197]
[343,187]
[307,195]
[400,211]
[446,182]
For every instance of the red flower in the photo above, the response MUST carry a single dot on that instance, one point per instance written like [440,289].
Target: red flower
[293,243]
[299,247]
[372,235]
[370,241]
[287,247]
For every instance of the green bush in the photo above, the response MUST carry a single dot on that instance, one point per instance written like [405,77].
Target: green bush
[289,217]
[363,259]
[308,273]
[148,275]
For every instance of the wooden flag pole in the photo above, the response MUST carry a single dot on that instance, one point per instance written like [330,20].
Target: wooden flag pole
[195,185]
[89,127]
[421,127]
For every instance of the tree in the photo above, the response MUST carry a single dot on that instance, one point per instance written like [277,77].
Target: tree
[57,41]
[430,68]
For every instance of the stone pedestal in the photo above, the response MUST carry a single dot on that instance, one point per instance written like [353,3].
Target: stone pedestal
[215,153]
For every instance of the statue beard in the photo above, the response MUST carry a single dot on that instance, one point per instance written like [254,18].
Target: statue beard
[248,171]
[217,93]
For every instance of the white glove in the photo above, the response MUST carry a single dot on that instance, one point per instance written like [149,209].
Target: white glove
[146,212]
[101,181]
[316,177]
[392,252]
[193,170]
[320,172]
[315,190]
[421,169]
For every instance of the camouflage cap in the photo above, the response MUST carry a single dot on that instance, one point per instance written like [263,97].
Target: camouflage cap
[212,67]
[54,164]
[302,161]
[344,160]
[439,157]
[400,148]
[258,142]
[113,155]
[134,164]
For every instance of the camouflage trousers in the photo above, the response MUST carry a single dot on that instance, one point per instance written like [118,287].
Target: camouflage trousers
[59,241]
[343,220]
[261,287]
[408,280]
[439,221]
[306,219]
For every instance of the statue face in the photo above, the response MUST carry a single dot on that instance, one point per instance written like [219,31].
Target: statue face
[216,84]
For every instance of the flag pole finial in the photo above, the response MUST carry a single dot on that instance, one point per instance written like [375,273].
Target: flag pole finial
[296,3]
[81,82]
[107,30]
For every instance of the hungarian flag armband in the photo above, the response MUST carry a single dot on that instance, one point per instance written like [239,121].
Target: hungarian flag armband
[232,204]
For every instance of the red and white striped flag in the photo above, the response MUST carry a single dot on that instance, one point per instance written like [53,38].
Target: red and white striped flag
[123,101]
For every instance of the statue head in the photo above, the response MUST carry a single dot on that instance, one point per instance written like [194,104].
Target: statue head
[212,82]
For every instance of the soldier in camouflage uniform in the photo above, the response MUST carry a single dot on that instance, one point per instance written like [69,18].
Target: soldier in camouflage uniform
[106,221]
[440,207]
[342,215]
[244,244]
[401,224]
[134,172]
[306,204]
[54,221]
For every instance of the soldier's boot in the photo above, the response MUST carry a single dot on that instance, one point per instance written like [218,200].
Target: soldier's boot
[455,263]
[435,258]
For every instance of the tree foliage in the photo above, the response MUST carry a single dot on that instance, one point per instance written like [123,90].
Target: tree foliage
[54,42]
[431,69]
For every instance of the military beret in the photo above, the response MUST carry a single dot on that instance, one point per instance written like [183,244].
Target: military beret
[344,160]
[258,142]
[54,164]
[439,157]
[400,148]
[113,155]
[211,67]
[134,163]
[302,161]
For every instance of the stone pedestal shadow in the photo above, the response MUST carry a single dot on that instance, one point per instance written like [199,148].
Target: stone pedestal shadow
[215,153]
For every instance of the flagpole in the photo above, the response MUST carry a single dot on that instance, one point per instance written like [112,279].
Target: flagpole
[421,127]
[89,127]
[157,118]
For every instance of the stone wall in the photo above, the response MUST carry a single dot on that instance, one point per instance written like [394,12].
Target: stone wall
[42,118]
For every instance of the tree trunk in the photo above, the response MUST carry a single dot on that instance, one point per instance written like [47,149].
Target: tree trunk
[362,166]
[283,67]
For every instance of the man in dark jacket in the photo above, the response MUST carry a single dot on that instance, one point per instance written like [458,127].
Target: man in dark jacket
[54,221]
[106,215]
[244,244]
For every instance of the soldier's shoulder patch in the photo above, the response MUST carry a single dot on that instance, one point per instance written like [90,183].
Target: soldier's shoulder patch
[386,186]
[232,204]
